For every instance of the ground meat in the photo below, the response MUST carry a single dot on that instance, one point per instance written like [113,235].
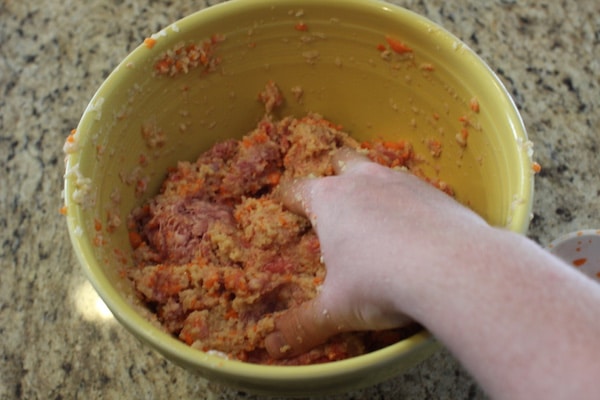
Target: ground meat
[217,255]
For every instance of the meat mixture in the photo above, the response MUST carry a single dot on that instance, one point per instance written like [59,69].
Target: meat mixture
[217,255]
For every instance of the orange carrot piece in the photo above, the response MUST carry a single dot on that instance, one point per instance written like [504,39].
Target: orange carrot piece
[397,45]
[579,262]
[149,42]
[474,105]
[135,239]
[274,177]
[301,27]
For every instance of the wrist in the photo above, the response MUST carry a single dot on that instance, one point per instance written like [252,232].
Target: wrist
[455,265]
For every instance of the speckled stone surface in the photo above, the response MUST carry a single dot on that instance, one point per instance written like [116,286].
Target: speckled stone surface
[53,56]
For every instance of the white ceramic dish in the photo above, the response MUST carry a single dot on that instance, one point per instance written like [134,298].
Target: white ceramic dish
[580,249]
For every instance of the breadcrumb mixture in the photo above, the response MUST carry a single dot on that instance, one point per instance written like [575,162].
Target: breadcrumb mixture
[218,256]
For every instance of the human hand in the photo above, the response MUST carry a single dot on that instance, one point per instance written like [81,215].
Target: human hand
[379,229]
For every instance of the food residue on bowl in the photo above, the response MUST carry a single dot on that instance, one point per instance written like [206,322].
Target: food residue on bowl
[187,56]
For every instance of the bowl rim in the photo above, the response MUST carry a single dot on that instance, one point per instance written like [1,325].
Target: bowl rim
[173,348]
[574,235]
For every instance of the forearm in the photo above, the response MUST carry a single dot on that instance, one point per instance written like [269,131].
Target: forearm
[522,322]
[517,318]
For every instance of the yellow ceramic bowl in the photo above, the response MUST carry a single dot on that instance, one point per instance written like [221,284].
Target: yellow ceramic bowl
[338,53]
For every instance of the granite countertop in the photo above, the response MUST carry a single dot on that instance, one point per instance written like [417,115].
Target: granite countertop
[53,56]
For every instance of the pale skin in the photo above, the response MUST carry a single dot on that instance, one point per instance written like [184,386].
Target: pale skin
[522,322]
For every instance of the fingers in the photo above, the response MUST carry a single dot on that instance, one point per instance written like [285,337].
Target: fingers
[300,329]
[297,194]
[345,158]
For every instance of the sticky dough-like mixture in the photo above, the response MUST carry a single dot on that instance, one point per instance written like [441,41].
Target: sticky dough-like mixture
[217,255]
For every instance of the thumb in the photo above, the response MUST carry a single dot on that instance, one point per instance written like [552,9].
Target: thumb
[300,329]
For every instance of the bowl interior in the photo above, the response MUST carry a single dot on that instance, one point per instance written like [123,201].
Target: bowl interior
[329,50]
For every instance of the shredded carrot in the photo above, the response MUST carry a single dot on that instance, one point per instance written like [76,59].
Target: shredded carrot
[435,147]
[97,225]
[397,45]
[63,210]
[461,137]
[211,280]
[398,145]
[274,178]
[71,137]
[163,66]
[579,262]
[247,142]
[231,314]
[135,239]
[474,105]
[537,168]
[464,119]
[301,26]
[149,42]
[282,221]
[260,137]
[187,337]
